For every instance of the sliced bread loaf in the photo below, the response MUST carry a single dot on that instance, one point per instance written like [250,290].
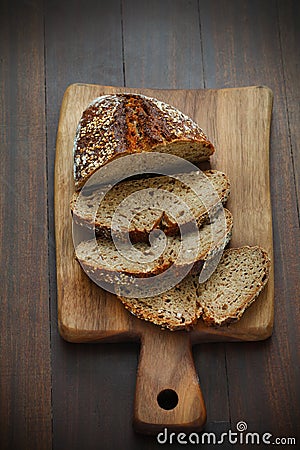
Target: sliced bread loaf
[160,202]
[124,124]
[238,279]
[102,260]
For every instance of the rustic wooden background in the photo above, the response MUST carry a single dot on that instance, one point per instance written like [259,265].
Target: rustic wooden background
[56,395]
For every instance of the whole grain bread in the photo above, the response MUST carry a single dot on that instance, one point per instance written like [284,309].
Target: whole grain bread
[124,124]
[233,287]
[174,203]
[101,259]
[237,281]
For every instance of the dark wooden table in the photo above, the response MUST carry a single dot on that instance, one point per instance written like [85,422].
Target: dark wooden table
[67,396]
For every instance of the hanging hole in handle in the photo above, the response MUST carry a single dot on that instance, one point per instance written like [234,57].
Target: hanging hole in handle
[167,399]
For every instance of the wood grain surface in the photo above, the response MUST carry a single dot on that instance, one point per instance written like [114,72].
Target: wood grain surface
[85,398]
[238,121]
[25,405]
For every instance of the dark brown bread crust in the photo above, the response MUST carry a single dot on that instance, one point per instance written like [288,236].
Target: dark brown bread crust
[173,324]
[121,124]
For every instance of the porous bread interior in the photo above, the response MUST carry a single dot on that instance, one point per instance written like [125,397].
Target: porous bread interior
[174,309]
[191,151]
[213,186]
[142,259]
[239,277]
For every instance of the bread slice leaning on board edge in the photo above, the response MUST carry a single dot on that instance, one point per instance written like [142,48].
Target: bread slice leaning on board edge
[122,124]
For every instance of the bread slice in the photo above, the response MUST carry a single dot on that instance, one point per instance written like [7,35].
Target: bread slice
[233,287]
[160,202]
[102,260]
[175,309]
[124,124]
[238,279]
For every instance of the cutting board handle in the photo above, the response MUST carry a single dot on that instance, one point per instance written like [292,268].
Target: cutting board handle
[168,394]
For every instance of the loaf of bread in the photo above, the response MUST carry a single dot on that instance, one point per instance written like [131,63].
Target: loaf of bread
[124,124]
[167,211]
[238,279]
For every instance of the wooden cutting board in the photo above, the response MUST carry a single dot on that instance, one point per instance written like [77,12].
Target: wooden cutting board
[167,389]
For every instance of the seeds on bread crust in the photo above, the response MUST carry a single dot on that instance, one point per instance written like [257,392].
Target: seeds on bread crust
[120,124]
